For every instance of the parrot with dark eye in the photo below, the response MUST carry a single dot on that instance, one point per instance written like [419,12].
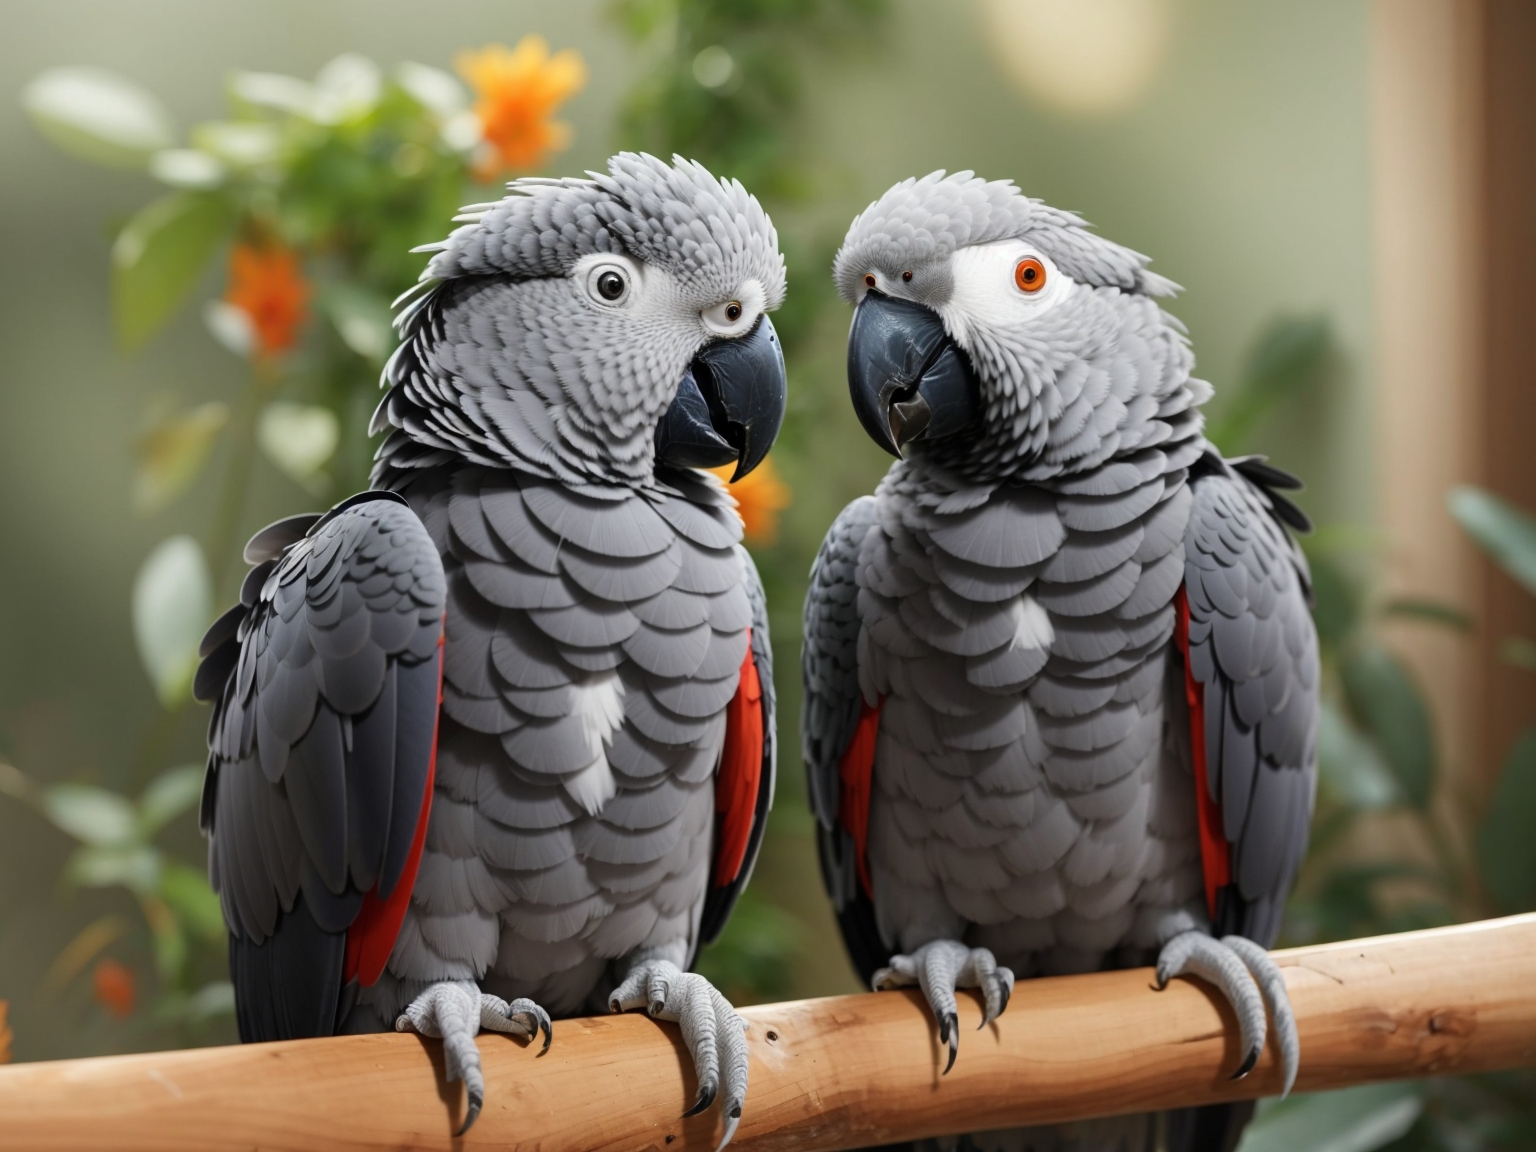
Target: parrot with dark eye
[1061,675]
[495,741]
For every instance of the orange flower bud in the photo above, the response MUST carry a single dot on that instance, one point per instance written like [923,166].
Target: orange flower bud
[113,985]
[265,283]
[760,497]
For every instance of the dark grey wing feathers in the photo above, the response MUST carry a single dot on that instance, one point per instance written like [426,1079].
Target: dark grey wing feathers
[1253,647]
[719,902]
[325,687]
[829,668]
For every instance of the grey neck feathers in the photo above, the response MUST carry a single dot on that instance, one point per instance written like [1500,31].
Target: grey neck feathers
[1059,404]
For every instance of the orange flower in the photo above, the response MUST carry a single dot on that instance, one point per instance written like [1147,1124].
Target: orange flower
[760,497]
[517,91]
[114,987]
[266,284]
[5,1035]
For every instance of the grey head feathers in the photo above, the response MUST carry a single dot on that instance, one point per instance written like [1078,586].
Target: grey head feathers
[550,330]
[1081,368]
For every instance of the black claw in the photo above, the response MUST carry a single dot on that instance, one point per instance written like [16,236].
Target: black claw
[549,1034]
[706,1098]
[949,1032]
[1007,994]
[1247,1065]
[734,1113]
[613,1006]
[655,1007]
[473,1114]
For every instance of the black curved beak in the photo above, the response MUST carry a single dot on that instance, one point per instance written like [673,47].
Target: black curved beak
[908,379]
[729,404]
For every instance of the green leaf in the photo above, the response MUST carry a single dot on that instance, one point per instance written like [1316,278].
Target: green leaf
[274,90]
[1351,765]
[135,868]
[298,438]
[98,115]
[168,796]
[1338,601]
[172,603]
[239,143]
[173,452]
[1429,611]
[1354,1120]
[186,891]
[1288,356]
[435,90]
[1387,703]
[187,168]
[90,815]
[1519,651]
[1506,848]
[347,88]
[159,256]
[362,319]
[1507,533]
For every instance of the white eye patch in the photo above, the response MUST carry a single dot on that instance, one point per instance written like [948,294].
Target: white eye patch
[735,317]
[991,292]
[609,281]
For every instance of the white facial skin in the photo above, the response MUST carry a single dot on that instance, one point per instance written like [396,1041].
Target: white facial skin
[987,295]
[654,295]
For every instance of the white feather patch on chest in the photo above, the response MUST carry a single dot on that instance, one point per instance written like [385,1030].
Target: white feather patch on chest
[1033,629]
[599,705]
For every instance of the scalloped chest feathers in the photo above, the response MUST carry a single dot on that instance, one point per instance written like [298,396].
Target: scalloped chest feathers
[1029,790]
[593,643]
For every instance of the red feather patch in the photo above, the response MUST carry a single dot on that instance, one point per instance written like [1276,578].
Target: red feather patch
[857,771]
[1215,853]
[371,938]
[741,771]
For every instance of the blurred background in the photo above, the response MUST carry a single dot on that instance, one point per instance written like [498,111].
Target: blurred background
[207,207]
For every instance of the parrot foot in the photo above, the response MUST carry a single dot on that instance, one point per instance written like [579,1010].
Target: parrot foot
[715,1035]
[1250,980]
[938,968]
[455,1013]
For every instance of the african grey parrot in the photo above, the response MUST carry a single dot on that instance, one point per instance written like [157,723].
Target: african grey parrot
[1060,672]
[495,741]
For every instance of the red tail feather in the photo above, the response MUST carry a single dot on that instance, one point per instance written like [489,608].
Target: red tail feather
[371,938]
[857,770]
[741,771]
[1215,853]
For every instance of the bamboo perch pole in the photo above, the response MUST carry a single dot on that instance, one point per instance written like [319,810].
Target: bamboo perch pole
[826,1074]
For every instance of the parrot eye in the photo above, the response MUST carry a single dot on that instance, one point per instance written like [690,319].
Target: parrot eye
[1029,275]
[608,284]
[733,311]
[906,277]
[869,279]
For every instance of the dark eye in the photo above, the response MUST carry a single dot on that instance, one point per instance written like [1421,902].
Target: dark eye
[1029,275]
[869,279]
[906,277]
[733,311]
[610,285]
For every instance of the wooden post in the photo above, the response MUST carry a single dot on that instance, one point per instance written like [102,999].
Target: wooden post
[826,1074]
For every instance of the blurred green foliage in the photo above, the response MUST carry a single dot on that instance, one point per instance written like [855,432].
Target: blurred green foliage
[354,169]
[1378,757]
[312,195]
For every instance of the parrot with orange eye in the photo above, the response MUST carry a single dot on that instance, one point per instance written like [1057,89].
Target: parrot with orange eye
[495,742]
[1061,676]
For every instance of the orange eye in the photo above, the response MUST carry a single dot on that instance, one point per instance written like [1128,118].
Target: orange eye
[1029,275]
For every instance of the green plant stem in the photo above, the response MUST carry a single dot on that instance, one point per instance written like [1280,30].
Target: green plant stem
[159,741]
[237,477]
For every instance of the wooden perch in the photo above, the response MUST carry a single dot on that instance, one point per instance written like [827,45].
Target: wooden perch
[826,1074]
